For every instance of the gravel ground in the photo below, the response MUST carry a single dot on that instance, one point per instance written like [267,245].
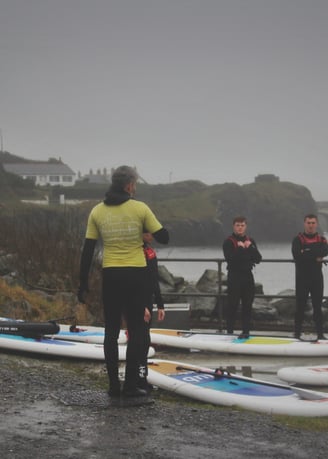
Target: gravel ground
[60,409]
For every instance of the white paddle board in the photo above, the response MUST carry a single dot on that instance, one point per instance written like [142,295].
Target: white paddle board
[312,376]
[81,333]
[217,342]
[59,347]
[232,390]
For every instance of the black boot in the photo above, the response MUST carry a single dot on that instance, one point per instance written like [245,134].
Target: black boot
[136,392]
[114,389]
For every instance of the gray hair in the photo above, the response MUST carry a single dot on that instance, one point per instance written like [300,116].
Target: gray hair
[122,176]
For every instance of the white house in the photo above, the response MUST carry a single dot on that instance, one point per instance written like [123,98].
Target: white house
[43,173]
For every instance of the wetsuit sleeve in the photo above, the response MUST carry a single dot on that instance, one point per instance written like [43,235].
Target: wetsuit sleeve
[297,249]
[234,254]
[86,259]
[256,257]
[309,252]
[317,250]
[162,236]
[229,251]
[239,258]
[154,287]
[323,247]
[158,297]
[157,290]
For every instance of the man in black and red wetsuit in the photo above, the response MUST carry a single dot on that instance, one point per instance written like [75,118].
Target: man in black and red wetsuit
[309,249]
[154,296]
[241,254]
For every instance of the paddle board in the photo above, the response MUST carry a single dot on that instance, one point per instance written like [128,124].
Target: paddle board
[312,376]
[219,342]
[59,347]
[232,390]
[81,333]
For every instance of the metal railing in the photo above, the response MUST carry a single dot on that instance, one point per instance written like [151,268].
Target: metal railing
[219,295]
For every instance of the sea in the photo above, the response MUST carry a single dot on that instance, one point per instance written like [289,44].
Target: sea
[275,276]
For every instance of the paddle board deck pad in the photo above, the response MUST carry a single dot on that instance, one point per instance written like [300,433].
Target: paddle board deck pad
[312,376]
[232,390]
[86,334]
[61,348]
[15,327]
[216,342]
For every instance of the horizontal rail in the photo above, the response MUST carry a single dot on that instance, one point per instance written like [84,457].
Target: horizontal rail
[219,295]
[222,260]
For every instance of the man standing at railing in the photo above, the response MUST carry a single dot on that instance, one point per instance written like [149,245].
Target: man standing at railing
[309,249]
[241,254]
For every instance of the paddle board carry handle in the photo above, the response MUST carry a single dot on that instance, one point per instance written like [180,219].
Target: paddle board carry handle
[76,329]
[218,372]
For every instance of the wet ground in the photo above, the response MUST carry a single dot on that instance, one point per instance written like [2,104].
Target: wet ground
[60,409]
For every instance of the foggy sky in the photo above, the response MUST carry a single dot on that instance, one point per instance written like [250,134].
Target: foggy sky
[213,90]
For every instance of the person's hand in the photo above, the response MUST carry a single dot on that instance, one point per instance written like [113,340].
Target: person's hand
[160,315]
[241,244]
[82,292]
[147,315]
[247,243]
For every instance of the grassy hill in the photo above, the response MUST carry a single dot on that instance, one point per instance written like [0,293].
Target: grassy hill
[194,212]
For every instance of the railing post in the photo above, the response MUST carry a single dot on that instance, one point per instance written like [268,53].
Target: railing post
[219,307]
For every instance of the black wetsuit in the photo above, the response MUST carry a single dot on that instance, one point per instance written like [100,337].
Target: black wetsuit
[241,286]
[124,294]
[306,248]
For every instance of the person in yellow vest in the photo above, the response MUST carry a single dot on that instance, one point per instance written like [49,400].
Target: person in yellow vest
[119,222]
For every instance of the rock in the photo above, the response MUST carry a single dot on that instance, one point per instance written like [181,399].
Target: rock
[263,311]
[7,262]
[10,308]
[165,277]
[285,306]
[209,281]
[199,306]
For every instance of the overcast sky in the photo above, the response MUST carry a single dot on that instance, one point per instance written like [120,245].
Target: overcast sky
[214,90]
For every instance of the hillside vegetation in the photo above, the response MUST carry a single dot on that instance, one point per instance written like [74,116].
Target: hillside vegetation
[195,213]
[200,213]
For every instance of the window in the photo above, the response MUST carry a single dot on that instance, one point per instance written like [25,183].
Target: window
[54,178]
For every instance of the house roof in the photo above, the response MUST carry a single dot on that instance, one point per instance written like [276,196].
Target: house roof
[38,168]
